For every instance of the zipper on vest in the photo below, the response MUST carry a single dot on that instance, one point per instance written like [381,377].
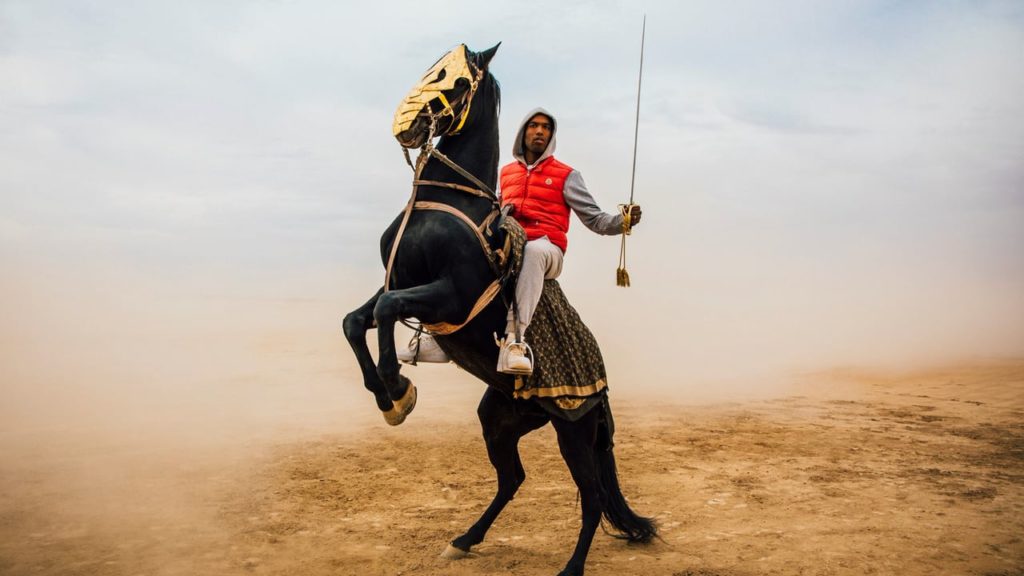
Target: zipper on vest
[526,188]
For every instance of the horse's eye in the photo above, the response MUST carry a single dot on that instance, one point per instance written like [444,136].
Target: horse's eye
[441,75]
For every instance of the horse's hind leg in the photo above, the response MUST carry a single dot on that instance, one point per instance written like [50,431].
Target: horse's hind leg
[356,324]
[502,428]
[576,441]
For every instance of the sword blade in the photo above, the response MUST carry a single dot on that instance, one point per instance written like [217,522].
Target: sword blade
[636,126]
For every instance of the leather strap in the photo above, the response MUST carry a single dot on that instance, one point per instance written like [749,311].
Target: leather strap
[398,238]
[426,205]
[453,186]
[462,172]
[444,328]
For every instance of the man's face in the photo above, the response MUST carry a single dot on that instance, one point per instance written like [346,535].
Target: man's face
[538,134]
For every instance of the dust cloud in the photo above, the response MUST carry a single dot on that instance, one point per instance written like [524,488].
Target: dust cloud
[135,403]
[717,315]
[189,358]
[132,403]
[209,358]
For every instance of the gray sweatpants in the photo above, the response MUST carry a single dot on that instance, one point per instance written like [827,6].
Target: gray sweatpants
[542,261]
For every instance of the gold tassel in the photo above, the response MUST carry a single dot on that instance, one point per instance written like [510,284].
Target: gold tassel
[621,276]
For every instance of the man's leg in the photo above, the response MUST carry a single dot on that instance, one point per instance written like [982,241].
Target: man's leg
[542,260]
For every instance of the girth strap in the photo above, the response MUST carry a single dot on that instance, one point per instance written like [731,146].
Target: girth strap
[444,328]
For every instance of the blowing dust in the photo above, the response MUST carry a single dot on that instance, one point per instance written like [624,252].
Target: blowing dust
[204,359]
[133,403]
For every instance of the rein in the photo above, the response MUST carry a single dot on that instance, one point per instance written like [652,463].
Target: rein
[483,190]
[496,259]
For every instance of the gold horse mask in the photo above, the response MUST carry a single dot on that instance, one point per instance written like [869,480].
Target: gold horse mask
[442,76]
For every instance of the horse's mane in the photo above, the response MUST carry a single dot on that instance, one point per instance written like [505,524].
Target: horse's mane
[491,84]
[488,98]
[489,87]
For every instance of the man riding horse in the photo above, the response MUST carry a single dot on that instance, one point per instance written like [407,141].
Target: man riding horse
[443,266]
[541,190]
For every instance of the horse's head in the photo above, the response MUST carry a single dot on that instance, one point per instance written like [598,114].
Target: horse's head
[439,104]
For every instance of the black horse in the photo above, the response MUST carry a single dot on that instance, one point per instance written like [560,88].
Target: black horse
[437,274]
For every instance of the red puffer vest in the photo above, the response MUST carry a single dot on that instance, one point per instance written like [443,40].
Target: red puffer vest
[538,199]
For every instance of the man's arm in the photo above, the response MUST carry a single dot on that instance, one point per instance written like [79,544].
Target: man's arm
[583,204]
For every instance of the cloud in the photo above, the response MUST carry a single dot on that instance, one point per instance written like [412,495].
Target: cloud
[839,148]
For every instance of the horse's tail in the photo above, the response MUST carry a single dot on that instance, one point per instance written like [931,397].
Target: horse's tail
[616,510]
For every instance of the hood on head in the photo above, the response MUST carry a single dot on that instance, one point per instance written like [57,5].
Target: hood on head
[517,145]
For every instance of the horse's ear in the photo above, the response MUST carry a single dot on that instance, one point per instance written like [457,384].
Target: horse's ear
[484,58]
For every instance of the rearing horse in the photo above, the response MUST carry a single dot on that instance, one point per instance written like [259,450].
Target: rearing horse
[438,273]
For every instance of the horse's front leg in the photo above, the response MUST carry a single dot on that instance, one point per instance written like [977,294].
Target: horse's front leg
[356,324]
[427,302]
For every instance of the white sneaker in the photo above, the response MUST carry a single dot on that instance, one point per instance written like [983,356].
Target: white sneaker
[422,349]
[514,358]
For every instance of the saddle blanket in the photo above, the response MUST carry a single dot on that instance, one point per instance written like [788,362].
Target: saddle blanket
[567,360]
[569,377]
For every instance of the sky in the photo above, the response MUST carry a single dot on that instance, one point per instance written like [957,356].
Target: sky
[823,183]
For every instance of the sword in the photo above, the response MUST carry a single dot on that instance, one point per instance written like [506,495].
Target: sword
[636,125]
[621,276]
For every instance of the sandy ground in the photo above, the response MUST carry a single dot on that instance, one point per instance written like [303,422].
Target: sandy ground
[849,473]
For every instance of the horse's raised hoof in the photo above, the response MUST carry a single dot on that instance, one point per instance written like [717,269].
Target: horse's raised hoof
[453,553]
[402,407]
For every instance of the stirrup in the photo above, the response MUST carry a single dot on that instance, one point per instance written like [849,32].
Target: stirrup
[503,366]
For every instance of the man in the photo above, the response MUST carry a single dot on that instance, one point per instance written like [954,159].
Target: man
[542,190]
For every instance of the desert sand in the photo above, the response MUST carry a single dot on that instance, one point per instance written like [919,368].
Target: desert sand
[849,472]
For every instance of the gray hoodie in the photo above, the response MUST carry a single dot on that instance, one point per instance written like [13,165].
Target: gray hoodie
[576,194]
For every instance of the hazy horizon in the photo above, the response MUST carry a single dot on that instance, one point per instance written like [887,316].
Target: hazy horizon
[192,197]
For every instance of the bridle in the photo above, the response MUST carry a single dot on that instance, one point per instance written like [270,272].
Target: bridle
[443,76]
[428,150]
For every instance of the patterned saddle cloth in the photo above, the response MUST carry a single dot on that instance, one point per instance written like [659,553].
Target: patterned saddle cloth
[568,372]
